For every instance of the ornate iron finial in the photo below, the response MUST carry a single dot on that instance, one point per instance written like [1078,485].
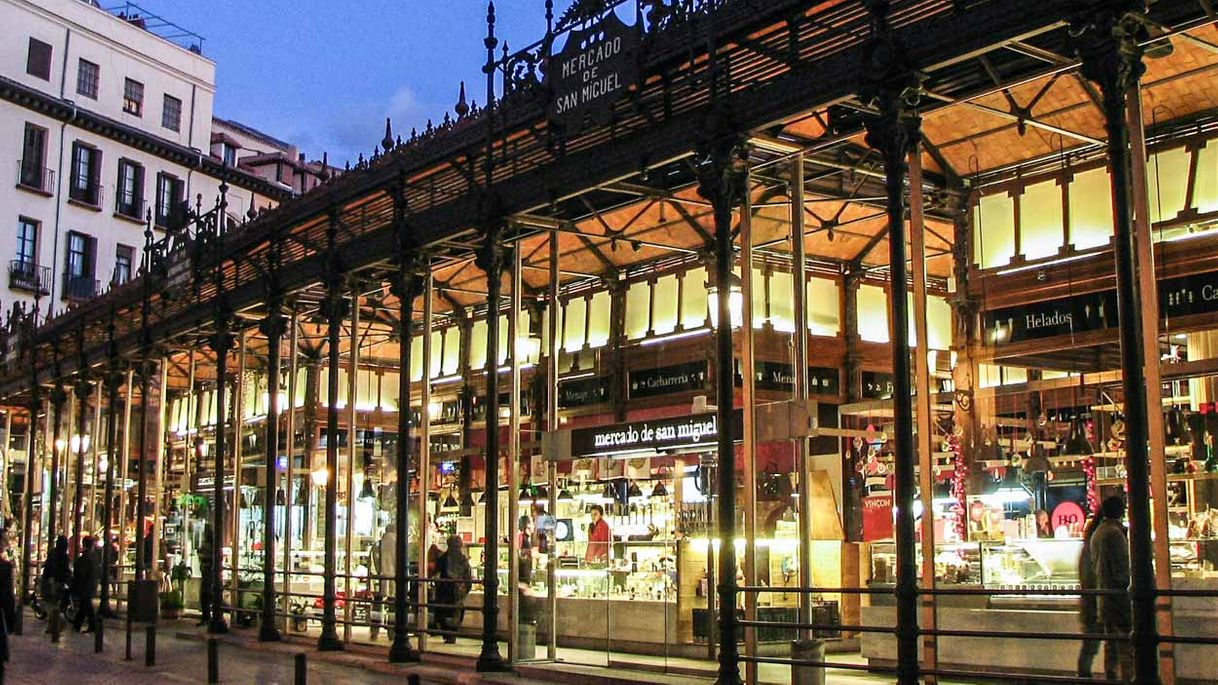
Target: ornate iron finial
[549,15]
[448,121]
[414,134]
[490,42]
[462,108]
[430,129]
[251,213]
[325,167]
[399,141]
[387,141]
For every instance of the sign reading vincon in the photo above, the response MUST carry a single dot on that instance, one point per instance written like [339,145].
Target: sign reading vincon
[592,72]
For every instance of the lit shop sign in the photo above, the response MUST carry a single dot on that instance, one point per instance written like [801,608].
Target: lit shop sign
[593,71]
[207,483]
[661,435]
[780,376]
[583,392]
[877,385]
[666,380]
[1183,296]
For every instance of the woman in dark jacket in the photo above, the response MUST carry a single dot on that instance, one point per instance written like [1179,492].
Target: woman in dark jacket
[84,584]
[452,565]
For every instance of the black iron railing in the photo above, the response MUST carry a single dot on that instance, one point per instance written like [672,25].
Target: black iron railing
[90,194]
[26,275]
[78,287]
[34,176]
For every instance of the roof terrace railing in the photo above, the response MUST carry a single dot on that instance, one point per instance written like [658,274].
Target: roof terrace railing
[158,26]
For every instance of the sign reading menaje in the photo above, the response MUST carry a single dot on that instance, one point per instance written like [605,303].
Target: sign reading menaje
[593,71]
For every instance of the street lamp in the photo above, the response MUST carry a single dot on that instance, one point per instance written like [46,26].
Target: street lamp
[735,301]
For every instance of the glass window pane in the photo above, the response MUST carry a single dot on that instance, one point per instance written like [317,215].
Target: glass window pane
[638,296]
[994,227]
[824,306]
[598,322]
[1168,177]
[1040,219]
[666,305]
[1090,209]
[782,301]
[693,299]
[873,314]
[1205,194]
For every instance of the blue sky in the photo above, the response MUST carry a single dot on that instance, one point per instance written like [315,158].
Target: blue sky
[324,74]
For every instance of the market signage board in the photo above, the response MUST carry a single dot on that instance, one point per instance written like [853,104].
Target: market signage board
[877,385]
[1182,296]
[781,376]
[666,380]
[583,392]
[594,70]
[699,431]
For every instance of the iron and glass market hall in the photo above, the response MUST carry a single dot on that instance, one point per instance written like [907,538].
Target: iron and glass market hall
[724,338]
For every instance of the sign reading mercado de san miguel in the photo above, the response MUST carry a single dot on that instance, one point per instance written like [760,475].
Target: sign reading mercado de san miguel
[594,70]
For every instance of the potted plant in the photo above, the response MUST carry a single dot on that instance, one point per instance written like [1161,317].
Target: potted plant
[171,604]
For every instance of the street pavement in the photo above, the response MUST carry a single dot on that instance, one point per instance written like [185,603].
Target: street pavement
[35,659]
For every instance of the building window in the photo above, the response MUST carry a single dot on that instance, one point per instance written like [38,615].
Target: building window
[123,257]
[171,113]
[130,200]
[78,281]
[38,60]
[169,195]
[27,243]
[86,79]
[133,98]
[34,173]
[228,154]
[86,174]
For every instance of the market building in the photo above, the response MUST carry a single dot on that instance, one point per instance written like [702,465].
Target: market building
[693,344]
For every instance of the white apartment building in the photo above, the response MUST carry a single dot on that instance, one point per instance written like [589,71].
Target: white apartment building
[104,124]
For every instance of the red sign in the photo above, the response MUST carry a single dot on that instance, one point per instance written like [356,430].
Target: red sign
[1068,514]
[877,517]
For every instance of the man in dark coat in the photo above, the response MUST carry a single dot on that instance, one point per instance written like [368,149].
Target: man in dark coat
[85,575]
[1110,560]
[453,570]
[204,551]
[56,576]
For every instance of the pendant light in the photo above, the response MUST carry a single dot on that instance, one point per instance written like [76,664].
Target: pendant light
[565,495]
[450,502]
[280,498]
[543,493]
[660,490]
[633,491]
[467,500]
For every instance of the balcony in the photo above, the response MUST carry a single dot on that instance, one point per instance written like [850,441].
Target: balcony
[77,288]
[133,210]
[35,178]
[89,196]
[29,276]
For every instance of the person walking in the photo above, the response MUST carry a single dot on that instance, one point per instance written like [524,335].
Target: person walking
[1110,559]
[1088,611]
[84,585]
[8,603]
[56,576]
[204,551]
[453,570]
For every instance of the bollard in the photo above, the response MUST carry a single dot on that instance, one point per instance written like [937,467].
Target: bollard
[302,669]
[99,627]
[127,656]
[55,624]
[213,660]
[150,646]
[19,624]
[413,679]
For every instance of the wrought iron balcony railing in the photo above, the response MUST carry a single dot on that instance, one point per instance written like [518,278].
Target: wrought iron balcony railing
[23,275]
[132,210]
[35,176]
[77,287]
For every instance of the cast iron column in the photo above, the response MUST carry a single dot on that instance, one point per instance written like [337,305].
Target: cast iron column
[59,397]
[892,88]
[334,308]
[407,287]
[492,259]
[28,505]
[83,389]
[722,182]
[272,327]
[221,344]
[114,379]
[1106,36]
[141,484]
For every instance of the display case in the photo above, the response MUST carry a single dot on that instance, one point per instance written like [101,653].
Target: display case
[958,563]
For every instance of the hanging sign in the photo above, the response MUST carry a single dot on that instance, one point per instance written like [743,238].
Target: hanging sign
[697,431]
[666,380]
[877,385]
[594,70]
[1182,296]
[583,392]
[781,376]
